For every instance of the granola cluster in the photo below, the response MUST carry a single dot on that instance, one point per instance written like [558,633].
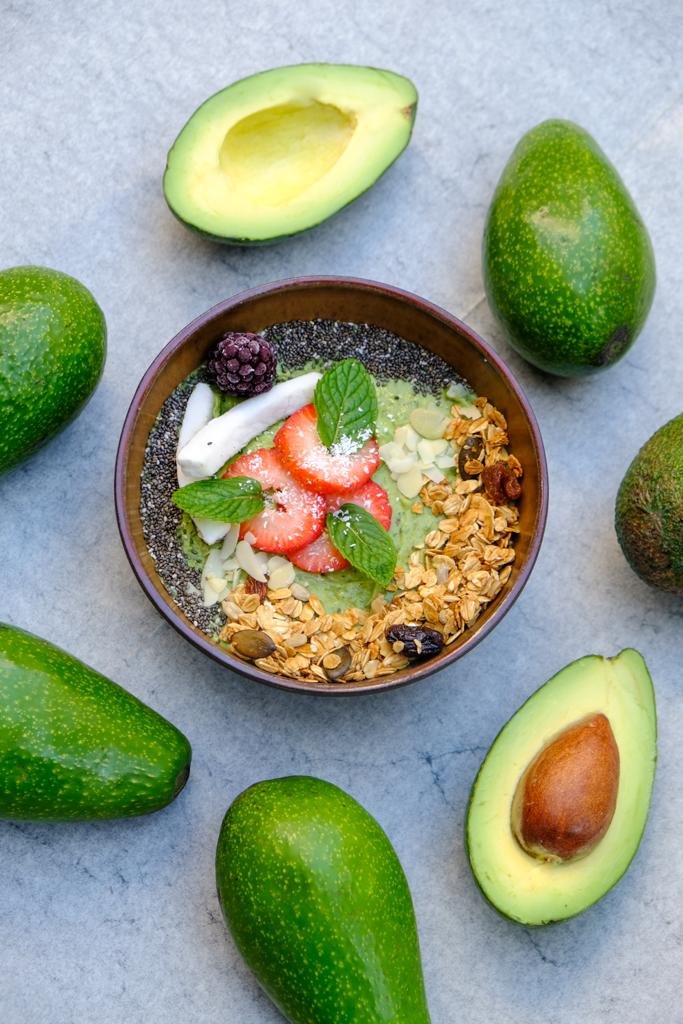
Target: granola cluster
[459,568]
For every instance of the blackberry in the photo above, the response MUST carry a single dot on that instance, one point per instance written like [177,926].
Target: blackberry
[243,364]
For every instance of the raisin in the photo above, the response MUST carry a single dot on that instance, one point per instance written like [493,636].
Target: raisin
[501,483]
[253,586]
[414,641]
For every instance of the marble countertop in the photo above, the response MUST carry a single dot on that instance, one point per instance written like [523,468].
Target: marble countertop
[119,921]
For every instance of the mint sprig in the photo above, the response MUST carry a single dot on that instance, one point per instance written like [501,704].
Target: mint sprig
[363,542]
[227,501]
[346,403]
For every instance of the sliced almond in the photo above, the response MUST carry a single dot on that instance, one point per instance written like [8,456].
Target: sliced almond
[402,463]
[406,436]
[275,561]
[249,561]
[281,577]
[410,483]
[428,450]
[428,422]
[230,543]
[213,566]
[214,589]
[392,450]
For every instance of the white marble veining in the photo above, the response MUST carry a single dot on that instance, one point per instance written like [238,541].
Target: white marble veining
[119,922]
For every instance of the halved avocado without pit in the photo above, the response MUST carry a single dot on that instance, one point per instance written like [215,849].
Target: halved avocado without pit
[615,694]
[279,152]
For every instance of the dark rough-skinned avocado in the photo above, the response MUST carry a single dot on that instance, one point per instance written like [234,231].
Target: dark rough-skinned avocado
[649,509]
[73,744]
[278,152]
[568,265]
[319,907]
[536,891]
[52,351]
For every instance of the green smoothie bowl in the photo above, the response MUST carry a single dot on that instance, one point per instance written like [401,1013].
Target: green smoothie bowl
[330,485]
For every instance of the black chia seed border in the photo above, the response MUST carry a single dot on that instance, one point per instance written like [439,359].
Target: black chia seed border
[297,342]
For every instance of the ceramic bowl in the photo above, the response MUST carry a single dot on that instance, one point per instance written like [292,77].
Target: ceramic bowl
[347,299]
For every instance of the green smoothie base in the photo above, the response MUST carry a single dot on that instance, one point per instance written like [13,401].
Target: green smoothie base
[347,588]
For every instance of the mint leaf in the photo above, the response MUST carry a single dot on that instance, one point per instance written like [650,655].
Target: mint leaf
[228,501]
[346,403]
[363,542]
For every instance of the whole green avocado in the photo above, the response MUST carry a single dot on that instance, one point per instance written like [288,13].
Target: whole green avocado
[318,905]
[52,351]
[73,744]
[568,265]
[649,509]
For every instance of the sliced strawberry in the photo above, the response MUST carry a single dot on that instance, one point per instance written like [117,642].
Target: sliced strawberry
[293,516]
[341,468]
[321,555]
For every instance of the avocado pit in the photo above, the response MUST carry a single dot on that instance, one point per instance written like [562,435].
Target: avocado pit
[566,797]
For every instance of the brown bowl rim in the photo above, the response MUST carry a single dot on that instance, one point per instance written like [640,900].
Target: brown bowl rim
[413,673]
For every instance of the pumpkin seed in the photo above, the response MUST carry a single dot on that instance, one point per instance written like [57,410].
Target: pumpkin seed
[336,663]
[470,452]
[252,644]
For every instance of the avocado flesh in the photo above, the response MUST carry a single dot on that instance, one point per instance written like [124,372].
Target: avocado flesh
[568,264]
[279,152]
[318,905]
[536,892]
[52,351]
[73,744]
[649,509]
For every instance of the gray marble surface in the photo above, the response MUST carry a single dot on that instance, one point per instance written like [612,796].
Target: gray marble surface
[119,922]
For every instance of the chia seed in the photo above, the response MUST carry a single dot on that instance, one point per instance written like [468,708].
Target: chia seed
[296,342]
[383,353]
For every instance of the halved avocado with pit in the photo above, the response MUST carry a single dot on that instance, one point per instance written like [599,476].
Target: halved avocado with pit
[279,152]
[530,889]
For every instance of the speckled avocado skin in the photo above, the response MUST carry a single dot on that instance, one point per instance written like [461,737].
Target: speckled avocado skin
[649,509]
[568,265]
[52,351]
[73,744]
[318,905]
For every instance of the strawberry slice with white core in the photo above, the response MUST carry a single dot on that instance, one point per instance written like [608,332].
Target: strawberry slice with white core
[321,555]
[293,515]
[344,467]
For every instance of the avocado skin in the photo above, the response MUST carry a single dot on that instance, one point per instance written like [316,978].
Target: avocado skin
[318,905]
[52,352]
[649,509]
[74,745]
[569,269]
